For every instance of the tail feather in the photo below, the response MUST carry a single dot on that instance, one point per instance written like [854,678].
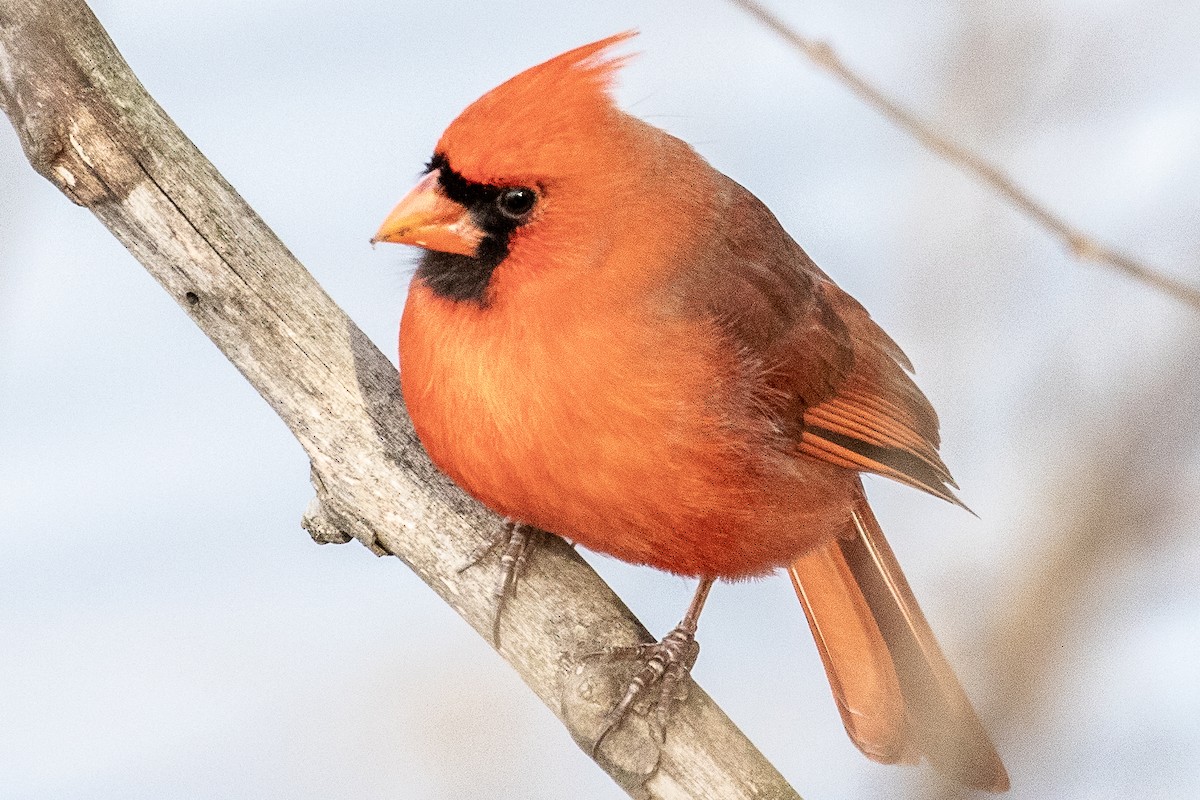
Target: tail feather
[898,696]
[868,696]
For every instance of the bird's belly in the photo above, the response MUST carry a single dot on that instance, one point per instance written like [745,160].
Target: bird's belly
[646,461]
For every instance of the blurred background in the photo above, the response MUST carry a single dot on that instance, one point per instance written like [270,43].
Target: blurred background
[167,629]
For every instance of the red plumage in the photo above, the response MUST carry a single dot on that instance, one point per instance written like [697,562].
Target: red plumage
[643,361]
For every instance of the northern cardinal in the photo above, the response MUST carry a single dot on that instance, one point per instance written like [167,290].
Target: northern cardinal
[608,339]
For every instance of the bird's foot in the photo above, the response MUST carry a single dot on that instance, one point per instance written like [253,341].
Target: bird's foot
[665,665]
[516,541]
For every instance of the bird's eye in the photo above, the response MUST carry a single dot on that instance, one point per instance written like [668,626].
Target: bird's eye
[516,203]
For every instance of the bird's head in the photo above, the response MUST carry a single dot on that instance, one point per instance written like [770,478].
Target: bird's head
[526,172]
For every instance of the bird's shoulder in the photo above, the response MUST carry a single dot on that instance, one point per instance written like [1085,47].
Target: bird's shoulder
[750,280]
[837,383]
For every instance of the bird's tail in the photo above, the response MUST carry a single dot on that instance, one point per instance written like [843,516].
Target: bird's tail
[898,696]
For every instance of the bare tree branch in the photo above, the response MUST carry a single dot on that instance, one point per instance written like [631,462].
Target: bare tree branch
[1081,245]
[88,125]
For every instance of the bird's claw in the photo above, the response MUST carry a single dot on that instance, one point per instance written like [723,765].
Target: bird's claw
[501,536]
[517,541]
[665,663]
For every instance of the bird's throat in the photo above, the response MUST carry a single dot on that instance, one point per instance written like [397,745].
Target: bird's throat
[462,278]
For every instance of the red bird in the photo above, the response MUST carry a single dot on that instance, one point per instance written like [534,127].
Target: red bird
[608,339]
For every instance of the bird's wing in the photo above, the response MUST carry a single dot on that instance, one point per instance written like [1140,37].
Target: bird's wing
[876,420]
[839,385]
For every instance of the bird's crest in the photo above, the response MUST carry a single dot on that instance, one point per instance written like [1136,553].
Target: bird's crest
[534,119]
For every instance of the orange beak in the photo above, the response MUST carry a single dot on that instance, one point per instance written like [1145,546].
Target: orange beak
[429,219]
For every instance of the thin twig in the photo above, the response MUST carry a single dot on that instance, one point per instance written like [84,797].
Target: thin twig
[1081,245]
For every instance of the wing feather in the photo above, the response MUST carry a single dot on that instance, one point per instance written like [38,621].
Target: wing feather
[837,385]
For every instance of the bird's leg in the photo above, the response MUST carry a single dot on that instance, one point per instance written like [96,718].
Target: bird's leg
[665,663]
[517,541]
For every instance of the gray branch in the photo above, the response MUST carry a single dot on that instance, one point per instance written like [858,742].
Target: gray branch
[88,126]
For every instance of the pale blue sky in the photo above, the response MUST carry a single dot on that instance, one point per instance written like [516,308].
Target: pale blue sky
[167,629]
